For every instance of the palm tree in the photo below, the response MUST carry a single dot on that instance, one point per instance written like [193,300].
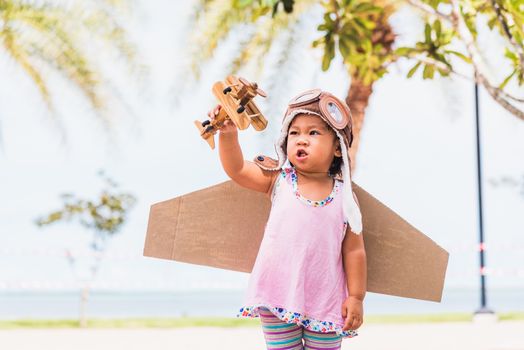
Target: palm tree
[50,34]
[366,34]
[361,32]
[366,42]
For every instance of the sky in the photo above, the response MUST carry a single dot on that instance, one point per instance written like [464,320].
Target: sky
[417,155]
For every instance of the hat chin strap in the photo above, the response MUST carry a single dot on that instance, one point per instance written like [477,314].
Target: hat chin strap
[349,205]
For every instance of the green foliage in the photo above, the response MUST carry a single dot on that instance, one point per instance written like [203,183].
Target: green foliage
[104,215]
[359,31]
[437,3]
[435,46]
[469,13]
[350,26]
[518,70]
[260,21]
[265,5]
[505,16]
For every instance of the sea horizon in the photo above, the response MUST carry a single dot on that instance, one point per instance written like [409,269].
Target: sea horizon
[31,304]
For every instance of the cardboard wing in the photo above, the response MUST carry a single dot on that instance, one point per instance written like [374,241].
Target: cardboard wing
[222,226]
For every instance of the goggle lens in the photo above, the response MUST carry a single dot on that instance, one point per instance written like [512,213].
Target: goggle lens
[335,112]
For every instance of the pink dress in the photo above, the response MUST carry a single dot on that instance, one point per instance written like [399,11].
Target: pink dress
[298,274]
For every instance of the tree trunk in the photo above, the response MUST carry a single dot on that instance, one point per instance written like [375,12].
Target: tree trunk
[357,100]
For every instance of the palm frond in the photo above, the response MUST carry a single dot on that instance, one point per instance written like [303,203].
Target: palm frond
[214,25]
[64,37]
[104,25]
[262,37]
[19,53]
[58,49]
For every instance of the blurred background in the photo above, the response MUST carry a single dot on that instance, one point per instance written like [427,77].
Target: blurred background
[97,103]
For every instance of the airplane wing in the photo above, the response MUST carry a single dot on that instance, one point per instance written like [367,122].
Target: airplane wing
[222,226]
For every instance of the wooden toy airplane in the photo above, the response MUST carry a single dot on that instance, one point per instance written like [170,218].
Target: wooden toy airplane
[235,96]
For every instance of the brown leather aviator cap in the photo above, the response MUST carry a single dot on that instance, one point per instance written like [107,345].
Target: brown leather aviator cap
[332,110]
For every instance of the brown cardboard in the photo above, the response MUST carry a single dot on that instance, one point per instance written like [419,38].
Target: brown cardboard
[222,226]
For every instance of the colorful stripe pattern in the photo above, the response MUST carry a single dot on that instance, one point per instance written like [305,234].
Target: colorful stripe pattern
[280,335]
[321,341]
[287,336]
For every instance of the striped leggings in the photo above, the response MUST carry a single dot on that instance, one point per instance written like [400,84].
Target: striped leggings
[280,335]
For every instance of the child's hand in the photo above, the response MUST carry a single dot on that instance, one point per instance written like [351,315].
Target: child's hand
[228,127]
[352,311]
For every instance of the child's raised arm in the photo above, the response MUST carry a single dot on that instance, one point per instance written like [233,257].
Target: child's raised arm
[245,173]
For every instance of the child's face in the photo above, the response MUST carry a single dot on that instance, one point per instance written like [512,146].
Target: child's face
[311,144]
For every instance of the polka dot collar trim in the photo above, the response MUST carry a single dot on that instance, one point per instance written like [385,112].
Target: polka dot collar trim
[294,182]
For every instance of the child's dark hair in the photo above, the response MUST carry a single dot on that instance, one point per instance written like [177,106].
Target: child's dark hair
[336,167]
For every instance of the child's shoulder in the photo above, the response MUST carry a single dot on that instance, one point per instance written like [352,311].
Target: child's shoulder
[266,163]
[273,169]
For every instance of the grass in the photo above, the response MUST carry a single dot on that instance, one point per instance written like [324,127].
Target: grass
[230,322]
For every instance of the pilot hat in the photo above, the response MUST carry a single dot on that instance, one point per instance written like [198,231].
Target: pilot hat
[337,115]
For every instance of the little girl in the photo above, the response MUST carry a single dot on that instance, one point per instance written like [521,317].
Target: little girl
[309,279]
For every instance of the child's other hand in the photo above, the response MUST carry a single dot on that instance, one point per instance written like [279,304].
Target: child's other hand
[228,127]
[352,311]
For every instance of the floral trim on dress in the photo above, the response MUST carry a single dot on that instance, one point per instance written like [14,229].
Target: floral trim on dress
[294,183]
[297,318]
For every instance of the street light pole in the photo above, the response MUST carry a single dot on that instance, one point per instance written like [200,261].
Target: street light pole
[483,299]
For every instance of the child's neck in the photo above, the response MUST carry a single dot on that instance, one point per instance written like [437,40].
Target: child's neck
[313,175]
[314,185]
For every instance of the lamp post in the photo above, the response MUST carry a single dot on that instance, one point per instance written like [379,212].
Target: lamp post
[483,299]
